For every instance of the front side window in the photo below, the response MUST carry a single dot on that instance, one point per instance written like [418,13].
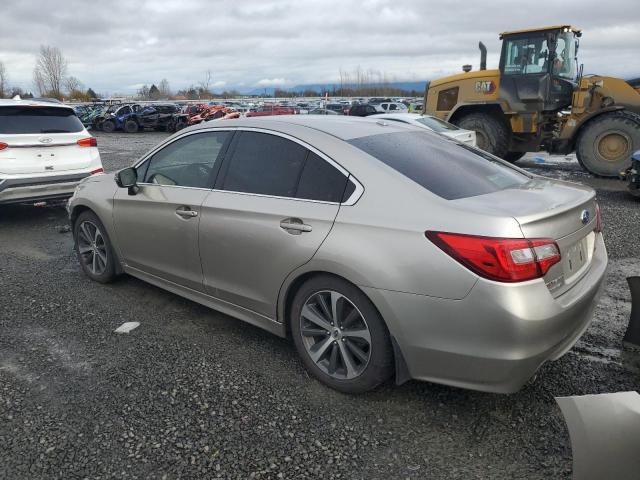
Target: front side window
[564,63]
[187,162]
[449,170]
[265,164]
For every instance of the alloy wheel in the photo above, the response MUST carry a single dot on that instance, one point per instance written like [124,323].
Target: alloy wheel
[92,248]
[335,335]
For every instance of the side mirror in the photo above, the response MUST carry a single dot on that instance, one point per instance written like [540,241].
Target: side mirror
[128,178]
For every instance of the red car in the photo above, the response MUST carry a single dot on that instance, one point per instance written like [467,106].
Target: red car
[268,110]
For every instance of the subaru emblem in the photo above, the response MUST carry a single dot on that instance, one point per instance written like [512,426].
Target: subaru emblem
[45,139]
[584,216]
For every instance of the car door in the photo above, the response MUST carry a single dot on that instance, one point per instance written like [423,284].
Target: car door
[265,218]
[157,228]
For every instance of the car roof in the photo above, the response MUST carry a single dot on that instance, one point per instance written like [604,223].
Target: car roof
[28,102]
[339,126]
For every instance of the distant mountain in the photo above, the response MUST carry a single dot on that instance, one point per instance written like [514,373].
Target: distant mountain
[328,87]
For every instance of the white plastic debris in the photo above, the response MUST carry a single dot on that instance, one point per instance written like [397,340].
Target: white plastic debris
[126,327]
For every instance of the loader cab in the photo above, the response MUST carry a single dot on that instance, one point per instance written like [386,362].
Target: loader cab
[538,68]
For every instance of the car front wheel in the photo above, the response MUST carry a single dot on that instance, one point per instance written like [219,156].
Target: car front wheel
[93,248]
[340,335]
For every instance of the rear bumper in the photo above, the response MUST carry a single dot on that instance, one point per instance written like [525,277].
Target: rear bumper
[495,338]
[20,190]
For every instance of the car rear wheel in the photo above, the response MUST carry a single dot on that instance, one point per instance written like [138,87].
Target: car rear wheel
[340,335]
[93,247]
[108,126]
[180,124]
[130,126]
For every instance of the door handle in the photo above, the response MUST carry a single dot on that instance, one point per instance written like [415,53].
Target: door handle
[186,212]
[295,226]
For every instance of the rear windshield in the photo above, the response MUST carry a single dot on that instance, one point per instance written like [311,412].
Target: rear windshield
[449,169]
[436,124]
[16,120]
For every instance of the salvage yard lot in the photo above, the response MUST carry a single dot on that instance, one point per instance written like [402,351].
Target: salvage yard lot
[193,393]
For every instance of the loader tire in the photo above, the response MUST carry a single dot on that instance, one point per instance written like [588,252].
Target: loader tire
[605,144]
[492,135]
[130,126]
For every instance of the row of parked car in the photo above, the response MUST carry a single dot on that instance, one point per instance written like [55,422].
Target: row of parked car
[135,117]
[171,117]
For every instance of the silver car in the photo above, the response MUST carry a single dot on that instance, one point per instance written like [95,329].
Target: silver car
[381,249]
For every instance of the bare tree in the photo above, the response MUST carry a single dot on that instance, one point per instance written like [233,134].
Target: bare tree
[4,87]
[72,84]
[206,82]
[50,71]
[143,92]
[164,88]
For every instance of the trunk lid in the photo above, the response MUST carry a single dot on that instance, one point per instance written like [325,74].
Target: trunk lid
[558,210]
[42,153]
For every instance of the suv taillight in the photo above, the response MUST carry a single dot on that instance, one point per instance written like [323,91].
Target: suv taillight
[3,146]
[88,142]
[598,227]
[500,259]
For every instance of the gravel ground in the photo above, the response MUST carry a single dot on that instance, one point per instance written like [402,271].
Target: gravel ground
[193,393]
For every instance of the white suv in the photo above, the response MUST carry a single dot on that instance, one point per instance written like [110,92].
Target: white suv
[44,151]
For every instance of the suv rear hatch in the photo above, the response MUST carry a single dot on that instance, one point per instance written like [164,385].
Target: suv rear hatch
[551,209]
[41,139]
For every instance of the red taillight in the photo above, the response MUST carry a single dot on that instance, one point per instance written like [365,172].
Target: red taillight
[500,259]
[88,142]
[3,146]
[97,170]
[598,227]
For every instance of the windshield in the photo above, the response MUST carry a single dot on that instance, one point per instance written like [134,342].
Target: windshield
[436,124]
[532,54]
[20,120]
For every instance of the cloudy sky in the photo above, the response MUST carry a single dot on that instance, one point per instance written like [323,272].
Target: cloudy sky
[115,46]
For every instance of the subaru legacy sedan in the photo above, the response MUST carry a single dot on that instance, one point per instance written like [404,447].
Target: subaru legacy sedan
[381,249]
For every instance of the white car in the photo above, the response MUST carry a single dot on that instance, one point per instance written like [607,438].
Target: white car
[44,151]
[431,123]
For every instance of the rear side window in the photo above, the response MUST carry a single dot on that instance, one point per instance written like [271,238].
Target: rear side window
[265,164]
[23,119]
[448,169]
[321,181]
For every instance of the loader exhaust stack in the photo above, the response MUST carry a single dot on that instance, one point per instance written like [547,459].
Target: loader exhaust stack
[483,56]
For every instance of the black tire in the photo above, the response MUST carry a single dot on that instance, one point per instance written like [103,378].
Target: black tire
[81,227]
[379,366]
[108,126]
[180,124]
[514,156]
[131,126]
[492,135]
[606,143]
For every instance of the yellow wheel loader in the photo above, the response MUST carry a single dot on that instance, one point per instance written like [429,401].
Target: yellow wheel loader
[538,99]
